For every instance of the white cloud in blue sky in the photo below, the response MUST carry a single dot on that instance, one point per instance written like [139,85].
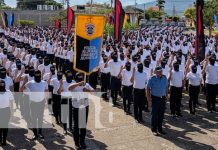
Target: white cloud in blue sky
[13,3]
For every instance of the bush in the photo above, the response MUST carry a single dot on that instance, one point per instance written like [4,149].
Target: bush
[176,18]
[25,22]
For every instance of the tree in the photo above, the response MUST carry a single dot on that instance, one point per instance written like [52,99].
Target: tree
[150,13]
[2,2]
[160,4]
[210,9]
[190,13]
[32,4]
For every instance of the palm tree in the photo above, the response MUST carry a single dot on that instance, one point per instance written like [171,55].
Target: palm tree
[160,4]
[2,3]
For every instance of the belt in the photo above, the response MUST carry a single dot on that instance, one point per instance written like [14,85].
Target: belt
[160,97]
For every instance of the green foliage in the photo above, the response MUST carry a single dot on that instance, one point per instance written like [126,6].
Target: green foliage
[175,18]
[2,2]
[210,8]
[153,14]
[32,4]
[105,11]
[109,29]
[160,4]
[130,26]
[25,23]
[5,7]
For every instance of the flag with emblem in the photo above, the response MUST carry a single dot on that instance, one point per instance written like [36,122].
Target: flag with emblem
[88,42]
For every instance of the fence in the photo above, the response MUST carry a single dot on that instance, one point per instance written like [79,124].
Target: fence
[40,18]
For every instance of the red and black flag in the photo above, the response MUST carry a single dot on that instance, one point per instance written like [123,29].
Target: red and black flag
[70,15]
[200,41]
[57,24]
[119,19]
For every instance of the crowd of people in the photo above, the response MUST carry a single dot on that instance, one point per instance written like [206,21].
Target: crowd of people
[142,70]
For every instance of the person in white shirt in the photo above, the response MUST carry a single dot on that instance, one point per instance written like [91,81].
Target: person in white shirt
[8,80]
[105,77]
[6,110]
[139,79]
[194,79]
[66,99]
[127,87]
[211,82]
[56,97]
[36,89]
[176,86]
[80,106]
[115,69]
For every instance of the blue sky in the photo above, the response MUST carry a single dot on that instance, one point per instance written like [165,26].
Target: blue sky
[13,3]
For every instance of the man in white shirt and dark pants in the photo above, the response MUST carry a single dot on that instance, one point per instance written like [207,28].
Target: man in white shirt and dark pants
[37,89]
[115,68]
[139,79]
[211,83]
[194,79]
[126,75]
[176,87]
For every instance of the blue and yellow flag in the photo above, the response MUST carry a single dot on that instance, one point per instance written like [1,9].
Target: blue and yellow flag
[88,42]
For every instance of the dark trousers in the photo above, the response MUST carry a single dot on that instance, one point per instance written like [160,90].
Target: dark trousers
[127,97]
[158,108]
[93,79]
[57,62]
[175,99]
[105,83]
[51,58]
[61,66]
[115,87]
[66,113]
[193,97]
[211,91]
[56,106]
[80,115]
[50,89]
[139,98]
[4,117]
[18,96]
[37,111]
[25,109]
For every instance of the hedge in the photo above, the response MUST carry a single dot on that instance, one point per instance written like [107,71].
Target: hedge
[25,22]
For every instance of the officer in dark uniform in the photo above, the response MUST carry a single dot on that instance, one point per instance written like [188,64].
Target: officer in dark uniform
[157,95]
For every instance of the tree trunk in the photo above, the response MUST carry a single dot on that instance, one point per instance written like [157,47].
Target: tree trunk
[210,31]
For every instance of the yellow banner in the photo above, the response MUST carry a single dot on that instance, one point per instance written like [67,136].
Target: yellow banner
[89,26]
[3,20]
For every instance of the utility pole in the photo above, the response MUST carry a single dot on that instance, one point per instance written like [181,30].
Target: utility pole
[111,4]
[135,6]
[174,10]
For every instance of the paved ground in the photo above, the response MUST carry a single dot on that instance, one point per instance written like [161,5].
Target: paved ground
[122,133]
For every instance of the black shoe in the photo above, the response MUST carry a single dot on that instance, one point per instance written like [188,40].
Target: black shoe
[34,138]
[155,133]
[83,145]
[106,98]
[199,104]
[41,136]
[162,132]
[77,146]
[4,144]
[141,121]
[215,110]
[179,114]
